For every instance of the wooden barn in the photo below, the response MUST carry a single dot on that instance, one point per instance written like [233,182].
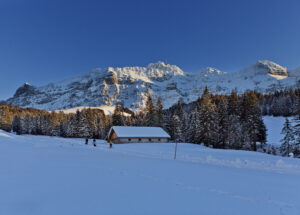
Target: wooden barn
[133,134]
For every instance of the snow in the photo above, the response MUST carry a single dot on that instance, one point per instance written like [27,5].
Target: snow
[50,175]
[279,77]
[108,110]
[134,131]
[127,85]
[3,134]
[274,126]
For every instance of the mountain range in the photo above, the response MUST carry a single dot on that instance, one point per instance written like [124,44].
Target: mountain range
[128,85]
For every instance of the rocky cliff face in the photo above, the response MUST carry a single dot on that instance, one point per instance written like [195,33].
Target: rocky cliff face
[128,85]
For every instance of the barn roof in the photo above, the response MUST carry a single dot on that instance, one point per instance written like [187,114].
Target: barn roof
[134,131]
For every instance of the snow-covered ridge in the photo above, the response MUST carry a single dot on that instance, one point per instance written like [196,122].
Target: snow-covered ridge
[128,85]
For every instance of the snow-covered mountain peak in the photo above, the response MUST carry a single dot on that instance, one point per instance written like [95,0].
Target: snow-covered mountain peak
[263,68]
[208,71]
[26,89]
[271,67]
[128,85]
[161,71]
[160,65]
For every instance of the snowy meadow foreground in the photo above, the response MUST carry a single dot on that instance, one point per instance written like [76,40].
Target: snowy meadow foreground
[50,175]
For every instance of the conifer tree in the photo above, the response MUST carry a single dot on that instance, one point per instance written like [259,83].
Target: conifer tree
[160,113]
[62,129]
[253,126]
[234,129]
[16,125]
[233,104]
[53,128]
[150,110]
[179,111]
[221,122]
[176,127]
[287,141]
[27,125]
[117,116]
[71,126]
[182,120]
[296,145]
[207,123]
[83,129]
[5,119]
[194,131]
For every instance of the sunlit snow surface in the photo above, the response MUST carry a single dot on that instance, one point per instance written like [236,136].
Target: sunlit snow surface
[51,175]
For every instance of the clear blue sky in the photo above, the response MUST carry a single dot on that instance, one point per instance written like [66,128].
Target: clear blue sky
[45,41]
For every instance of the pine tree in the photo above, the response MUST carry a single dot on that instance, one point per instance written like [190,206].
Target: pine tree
[221,123]
[27,125]
[45,125]
[62,129]
[71,126]
[168,124]
[207,123]
[233,104]
[176,127]
[179,111]
[83,129]
[54,125]
[252,123]
[288,138]
[160,113]
[5,118]
[117,116]
[194,130]
[234,129]
[296,145]
[16,125]
[151,116]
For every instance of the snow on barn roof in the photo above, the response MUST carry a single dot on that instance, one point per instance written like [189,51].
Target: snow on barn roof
[134,131]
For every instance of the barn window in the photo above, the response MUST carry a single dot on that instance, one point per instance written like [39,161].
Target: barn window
[129,139]
[159,139]
[150,139]
[140,139]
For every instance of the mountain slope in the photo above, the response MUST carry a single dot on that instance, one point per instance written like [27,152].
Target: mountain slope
[128,85]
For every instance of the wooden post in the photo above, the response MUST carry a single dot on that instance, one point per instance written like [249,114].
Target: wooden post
[175,149]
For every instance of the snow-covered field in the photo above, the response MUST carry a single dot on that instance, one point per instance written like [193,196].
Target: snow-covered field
[51,175]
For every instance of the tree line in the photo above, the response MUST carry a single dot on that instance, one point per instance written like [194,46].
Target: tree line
[233,122]
[217,121]
[278,103]
[291,141]
[91,123]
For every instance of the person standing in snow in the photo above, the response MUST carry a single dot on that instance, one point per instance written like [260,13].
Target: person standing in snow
[110,144]
[94,142]
[86,141]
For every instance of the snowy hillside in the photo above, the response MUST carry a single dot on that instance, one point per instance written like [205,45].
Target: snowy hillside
[50,175]
[128,85]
